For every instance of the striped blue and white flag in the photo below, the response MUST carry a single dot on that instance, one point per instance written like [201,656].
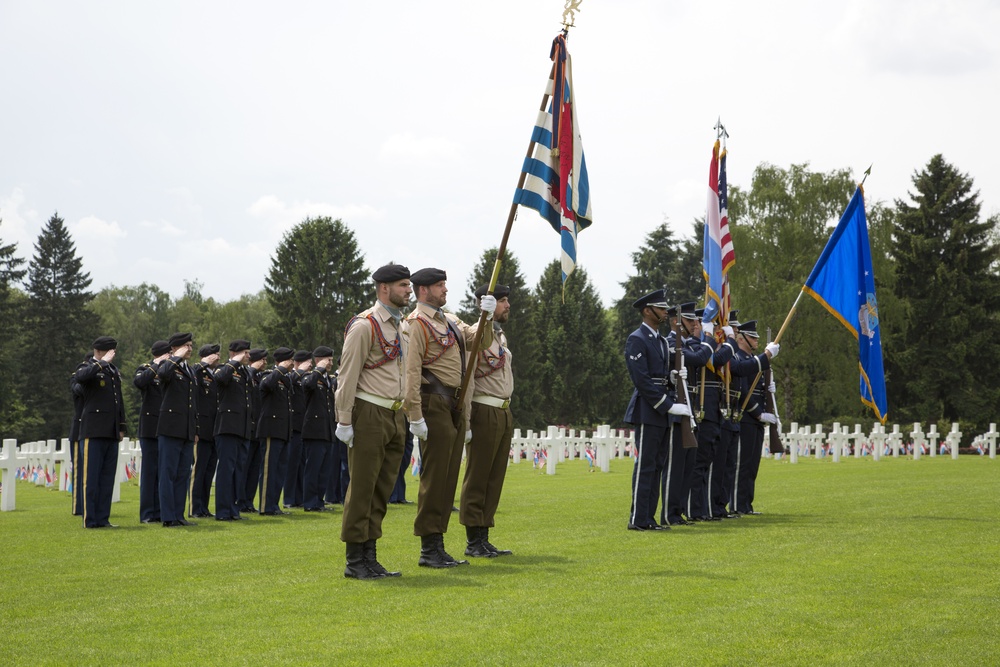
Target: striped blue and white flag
[556,183]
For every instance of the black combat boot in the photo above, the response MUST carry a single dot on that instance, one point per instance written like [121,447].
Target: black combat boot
[445,555]
[372,561]
[356,567]
[484,533]
[431,555]
[475,548]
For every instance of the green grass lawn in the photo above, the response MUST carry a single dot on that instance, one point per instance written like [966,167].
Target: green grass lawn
[854,563]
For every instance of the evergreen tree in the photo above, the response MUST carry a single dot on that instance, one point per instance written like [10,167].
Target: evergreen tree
[577,358]
[14,417]
[520,330]
[946,258]
[316,284]
[61,328]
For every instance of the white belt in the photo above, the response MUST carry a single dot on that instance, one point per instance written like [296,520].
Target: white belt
[382,402]
[492,401]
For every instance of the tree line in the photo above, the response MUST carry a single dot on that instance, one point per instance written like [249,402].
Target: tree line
[936,262]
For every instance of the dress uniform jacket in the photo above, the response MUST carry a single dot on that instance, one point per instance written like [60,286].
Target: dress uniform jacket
[234,388]
[747,366]
[298,399]
[208,401]
[148,384]
[275,405]
[179,409]
[648,363]
[318,406]
[103,413]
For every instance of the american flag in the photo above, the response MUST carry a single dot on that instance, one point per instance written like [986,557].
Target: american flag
[556,183]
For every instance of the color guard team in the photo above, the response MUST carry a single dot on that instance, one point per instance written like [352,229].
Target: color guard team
[711,476]
[282,433]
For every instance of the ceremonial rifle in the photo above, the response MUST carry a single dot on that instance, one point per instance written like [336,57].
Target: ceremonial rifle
[688,439]
[774,436]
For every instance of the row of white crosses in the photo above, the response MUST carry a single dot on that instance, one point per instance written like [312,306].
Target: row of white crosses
[560,444]
[54,461]
[812,441]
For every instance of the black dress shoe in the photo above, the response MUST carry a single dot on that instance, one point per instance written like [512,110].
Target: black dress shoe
[225,518]
[150,521]
[657,526]
[682,522]
[185,522]
[106,524]
[171,524]
[633,526]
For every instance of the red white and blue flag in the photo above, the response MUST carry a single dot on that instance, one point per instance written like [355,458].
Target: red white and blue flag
[556,183]
[719,255]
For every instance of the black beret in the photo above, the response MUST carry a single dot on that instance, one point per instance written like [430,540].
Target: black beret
[654,298]
[688,311]
[257,354]
[160,348]
[104,343]
[179,339]
[301,355]
[499,291]
[323,351]
[208,349]
[428,276]
[283,354]
[750,329]
[239,345]
[390,273]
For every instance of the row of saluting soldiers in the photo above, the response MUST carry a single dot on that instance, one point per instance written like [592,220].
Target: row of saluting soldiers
[287,428]
[267,430]
[711,476]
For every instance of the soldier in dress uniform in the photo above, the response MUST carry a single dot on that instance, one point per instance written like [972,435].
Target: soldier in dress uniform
[206,458]
[492,428]
[102,426]
[293,464]
[274,427]
[678,467]
[319,417]
[248,470]
[653,401]
[177,429]
[708,397]
[370,388]
[232,426]
[754,416]
[435,365]
[148,384]
[724,463]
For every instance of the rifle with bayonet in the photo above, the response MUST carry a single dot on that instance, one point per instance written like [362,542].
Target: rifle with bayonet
[773,434]
[688,424]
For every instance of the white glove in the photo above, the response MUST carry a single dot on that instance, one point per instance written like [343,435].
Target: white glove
[772,387]
[468,436]
[487,304]
[772,348]
[676,377]
[345,433]
[419,429]
[729,331]
[768,418]
[708,328]
[679,410]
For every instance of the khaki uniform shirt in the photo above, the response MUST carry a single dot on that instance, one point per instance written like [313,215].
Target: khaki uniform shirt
[494,376]
[362,347]
[447,367]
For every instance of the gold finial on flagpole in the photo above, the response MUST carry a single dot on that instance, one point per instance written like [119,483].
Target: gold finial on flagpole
[569,14]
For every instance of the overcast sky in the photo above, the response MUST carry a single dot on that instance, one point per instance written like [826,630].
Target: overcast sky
[181,140]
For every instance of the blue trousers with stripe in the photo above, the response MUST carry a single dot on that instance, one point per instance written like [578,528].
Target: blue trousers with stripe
[651,442]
